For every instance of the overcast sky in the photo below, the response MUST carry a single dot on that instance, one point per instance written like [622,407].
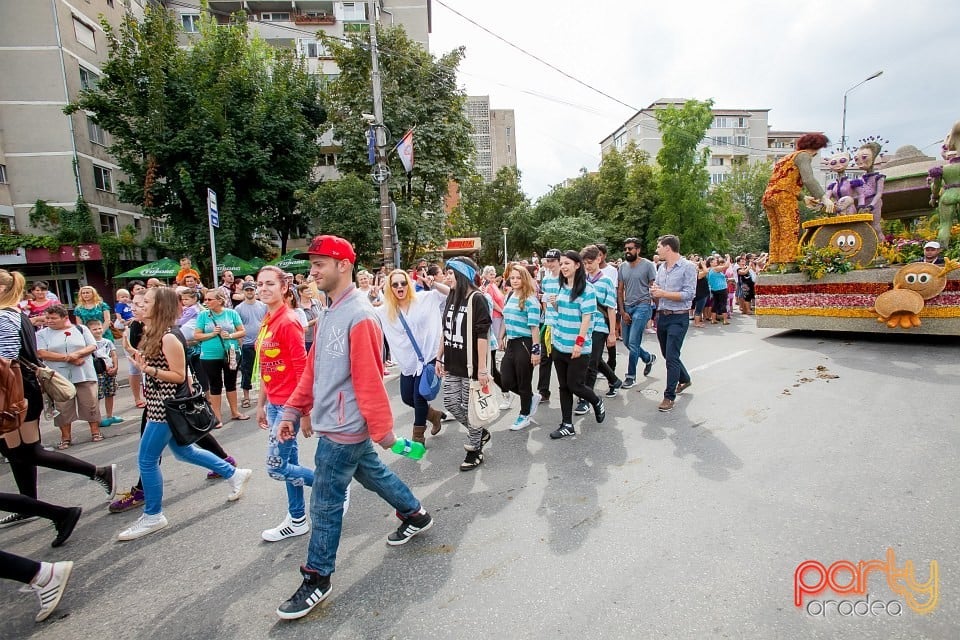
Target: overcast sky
[796,59]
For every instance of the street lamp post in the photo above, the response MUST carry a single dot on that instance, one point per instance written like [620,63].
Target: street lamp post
[843,128]
[504,229]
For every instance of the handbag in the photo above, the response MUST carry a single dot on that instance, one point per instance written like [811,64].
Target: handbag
[483,408]
[189,414]
[100,366]
[58,388]
[429,386]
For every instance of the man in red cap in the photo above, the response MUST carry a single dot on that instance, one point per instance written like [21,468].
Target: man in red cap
[347,412]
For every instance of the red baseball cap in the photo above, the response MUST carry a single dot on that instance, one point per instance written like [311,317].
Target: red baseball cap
[332,246]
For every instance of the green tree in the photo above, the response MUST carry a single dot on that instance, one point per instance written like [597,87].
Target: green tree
[627,194]
[348,208]
[744,189]
[569,232]
[419,90]
[253,118]
[484,210]
[683,208]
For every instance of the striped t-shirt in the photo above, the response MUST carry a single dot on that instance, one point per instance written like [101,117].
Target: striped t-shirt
[517,323]
[550,286]
[607,297]
[569,315]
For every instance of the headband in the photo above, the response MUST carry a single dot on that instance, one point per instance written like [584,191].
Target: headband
[466,270]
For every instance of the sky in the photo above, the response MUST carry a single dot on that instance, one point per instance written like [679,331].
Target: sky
[795,59]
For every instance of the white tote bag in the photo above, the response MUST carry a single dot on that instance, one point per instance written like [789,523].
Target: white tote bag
[484,405]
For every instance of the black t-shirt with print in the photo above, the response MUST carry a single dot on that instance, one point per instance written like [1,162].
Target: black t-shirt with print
[455,335]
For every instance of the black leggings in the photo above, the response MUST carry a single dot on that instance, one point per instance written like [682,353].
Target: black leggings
[571,373]
[14,567]
[596,361]
[516,371]
[220,376]
[25,458]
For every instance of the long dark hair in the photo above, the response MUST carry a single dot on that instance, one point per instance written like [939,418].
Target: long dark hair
[463,287]
[579,277]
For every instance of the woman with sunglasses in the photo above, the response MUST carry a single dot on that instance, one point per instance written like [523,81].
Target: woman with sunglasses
[404,308]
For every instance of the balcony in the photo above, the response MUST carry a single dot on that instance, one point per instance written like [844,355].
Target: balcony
[315,19]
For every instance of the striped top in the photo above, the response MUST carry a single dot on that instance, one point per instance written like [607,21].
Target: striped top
[607,297]
[569,315]
[518,323]
[550,286]
[10,333]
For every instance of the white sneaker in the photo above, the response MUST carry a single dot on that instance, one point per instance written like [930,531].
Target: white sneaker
[52,591]
[145,525]
[286,529]
[506,401]
[522,422]
[237,482]
[346,500]
[535,402]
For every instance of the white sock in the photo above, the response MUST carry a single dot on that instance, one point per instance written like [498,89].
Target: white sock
[43,576]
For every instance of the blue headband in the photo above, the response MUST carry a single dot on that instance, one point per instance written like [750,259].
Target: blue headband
[468,272]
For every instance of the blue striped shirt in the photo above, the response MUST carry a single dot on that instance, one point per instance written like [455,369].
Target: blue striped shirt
[607,296]
[550,286]
[683,278]
[569,315]
[517,323]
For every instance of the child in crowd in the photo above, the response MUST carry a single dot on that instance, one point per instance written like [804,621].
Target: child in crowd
[123,310]
[105,362]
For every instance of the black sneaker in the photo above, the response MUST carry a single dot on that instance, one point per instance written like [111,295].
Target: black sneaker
[472,460]
[563,431]
[65,526]
[106,477]
[484,438]
[647,368]
[599,411]
[612,392]
[582,407]
[313,591]
[14,519]
[412,525]
[628,383]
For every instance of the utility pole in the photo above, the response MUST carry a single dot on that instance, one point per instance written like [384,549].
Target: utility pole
[381,171]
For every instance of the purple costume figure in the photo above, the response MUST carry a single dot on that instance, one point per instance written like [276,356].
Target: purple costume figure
[842,195]
[871,193]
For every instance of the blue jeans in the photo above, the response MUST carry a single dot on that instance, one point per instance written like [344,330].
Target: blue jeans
[336,465]
[410,394]
[671,330]
[156,437]
[640,315]
[283,462]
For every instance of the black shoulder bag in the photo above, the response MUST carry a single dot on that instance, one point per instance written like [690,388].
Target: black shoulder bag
[189,414]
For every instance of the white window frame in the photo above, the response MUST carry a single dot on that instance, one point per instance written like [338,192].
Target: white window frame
[88,79]
[85,34]
[103,178]
[276,16]
[7,224]
[191,19]
[741,141]
[319,50]
[95,131]
[350,11]
[109,223]
[3,174]
[159,229]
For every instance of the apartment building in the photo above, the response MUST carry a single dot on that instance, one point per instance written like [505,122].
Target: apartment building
[51,49]
[734,136]
[494,136]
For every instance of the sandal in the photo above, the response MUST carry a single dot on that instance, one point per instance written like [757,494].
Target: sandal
[219,425]
[240,417]
[245,404]
[63,444]
[97,437]
[141,405]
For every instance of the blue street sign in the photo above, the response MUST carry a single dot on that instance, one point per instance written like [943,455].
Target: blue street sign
[212,210]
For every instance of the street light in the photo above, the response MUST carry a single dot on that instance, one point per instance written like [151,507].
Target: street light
[843,128]
[504,229]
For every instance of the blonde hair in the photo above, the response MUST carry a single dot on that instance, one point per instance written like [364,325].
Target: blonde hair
[13,284]
[527,288]
[390,297]
[96,296]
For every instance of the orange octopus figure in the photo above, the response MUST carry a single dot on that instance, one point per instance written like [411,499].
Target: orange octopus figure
[790,176]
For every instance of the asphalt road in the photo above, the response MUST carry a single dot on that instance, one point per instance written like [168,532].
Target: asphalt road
[788,447]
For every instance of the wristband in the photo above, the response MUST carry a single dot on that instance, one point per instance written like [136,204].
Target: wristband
[535,350]
[580,341]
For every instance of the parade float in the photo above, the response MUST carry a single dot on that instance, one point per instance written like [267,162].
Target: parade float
[846,274]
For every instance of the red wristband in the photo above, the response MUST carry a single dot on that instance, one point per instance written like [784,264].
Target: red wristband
[580,340]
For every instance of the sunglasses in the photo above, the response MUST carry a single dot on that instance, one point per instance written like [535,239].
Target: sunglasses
[398,285]
[210,299]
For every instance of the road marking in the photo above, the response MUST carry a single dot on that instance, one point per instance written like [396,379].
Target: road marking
[723,359]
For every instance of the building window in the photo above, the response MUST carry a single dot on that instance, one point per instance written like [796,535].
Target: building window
[158,226]
[191,22]
[312,48]
[110,3]
[741,141]
[721,141]
[3,174]
[84,33]
[88,79]
[741,122]
[138,227]
[6,224]
[108,224]
[103,178]
[328,160]
[354,11]
[275,17]
[716,162]
[97,134]
[717,178]
[720,122]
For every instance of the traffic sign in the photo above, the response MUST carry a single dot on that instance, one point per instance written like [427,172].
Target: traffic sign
[212,210]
